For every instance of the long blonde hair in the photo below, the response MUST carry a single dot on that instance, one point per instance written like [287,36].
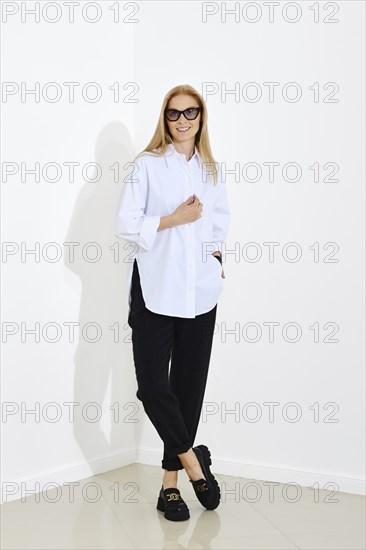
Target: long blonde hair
[162,138]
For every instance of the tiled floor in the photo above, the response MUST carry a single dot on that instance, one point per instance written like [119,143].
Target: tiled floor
[118,510]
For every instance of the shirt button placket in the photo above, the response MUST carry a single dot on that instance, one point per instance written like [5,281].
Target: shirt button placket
[190,252]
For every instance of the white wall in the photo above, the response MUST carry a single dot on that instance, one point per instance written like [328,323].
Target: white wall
[323,296]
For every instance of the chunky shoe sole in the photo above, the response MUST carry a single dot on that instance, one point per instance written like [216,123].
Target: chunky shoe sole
[175,512]
[207,490]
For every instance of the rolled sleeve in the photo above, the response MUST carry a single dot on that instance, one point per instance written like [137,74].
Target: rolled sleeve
[132,223]
[221,214]
[148,231]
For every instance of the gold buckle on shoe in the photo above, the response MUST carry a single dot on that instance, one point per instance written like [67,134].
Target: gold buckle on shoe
[173,496]
[202,487]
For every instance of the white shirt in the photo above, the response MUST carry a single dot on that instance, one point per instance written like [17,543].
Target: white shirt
[179,276]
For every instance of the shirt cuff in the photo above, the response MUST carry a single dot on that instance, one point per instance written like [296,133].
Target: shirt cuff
[148,231]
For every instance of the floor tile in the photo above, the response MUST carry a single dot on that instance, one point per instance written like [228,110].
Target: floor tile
[124,515]
[90,490]
[74,527]
[350,540]
[260,542]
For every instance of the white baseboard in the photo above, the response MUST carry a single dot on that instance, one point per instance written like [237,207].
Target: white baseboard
[15,489]
[332,481]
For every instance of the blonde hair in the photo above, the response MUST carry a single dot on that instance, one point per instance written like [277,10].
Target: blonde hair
[161,138]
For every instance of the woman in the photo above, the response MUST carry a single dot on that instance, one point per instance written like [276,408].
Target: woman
[174,206]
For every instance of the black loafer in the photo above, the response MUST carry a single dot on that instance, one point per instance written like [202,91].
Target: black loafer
[171,503]
[207,490]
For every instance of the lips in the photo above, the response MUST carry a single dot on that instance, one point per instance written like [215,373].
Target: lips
[183,129]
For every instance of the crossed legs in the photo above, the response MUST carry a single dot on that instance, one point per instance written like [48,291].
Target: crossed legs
[173,399]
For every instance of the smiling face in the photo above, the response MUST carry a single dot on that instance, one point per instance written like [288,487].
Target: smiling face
[182,129]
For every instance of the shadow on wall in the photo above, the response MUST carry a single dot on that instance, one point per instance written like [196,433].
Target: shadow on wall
[104,375]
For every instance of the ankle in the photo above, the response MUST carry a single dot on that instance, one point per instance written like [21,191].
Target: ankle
[170,479]
[192,465]
[188,459]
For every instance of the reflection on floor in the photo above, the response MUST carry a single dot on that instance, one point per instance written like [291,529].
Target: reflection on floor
[117,509]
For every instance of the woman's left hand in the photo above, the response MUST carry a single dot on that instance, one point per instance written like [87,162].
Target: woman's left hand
[222,272]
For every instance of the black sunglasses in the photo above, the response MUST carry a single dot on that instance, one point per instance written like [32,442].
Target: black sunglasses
[190,114]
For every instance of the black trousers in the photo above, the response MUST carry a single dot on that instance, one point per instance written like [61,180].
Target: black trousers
[172,399]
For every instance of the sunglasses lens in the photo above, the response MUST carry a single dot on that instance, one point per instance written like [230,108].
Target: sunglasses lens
[172,115]
[191,114]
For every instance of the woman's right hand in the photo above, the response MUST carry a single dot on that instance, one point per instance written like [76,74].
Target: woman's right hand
[188,212]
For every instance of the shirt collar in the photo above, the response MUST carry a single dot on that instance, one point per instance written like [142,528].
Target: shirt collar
[171,152]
